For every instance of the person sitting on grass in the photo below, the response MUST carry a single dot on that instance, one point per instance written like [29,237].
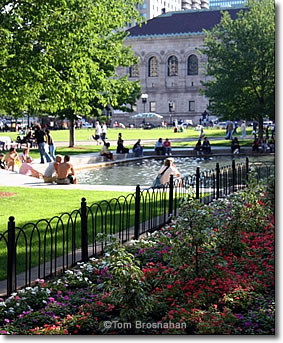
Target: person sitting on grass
[65,172]
[105,152]
[27,169]
[3,164]
[49,175]
[206,147]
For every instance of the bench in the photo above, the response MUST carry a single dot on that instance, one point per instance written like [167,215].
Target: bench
[6,143]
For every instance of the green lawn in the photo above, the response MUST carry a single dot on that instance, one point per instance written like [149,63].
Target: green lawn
[132,134]
[63,232]
[29,204]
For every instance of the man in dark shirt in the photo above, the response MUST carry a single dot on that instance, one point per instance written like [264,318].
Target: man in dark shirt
[39,135]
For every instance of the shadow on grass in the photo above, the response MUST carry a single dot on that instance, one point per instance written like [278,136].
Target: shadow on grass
[40,244]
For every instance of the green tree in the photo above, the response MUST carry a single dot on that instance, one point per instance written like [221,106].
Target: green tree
[62,55]
[241,64]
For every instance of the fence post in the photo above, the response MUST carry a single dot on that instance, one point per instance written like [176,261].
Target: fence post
[171,196]
[247,169]
[197,182]
[217,180]
[137,212]
[84,238]
[233,175]
[11,282]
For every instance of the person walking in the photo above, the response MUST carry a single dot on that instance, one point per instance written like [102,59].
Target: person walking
[230,127]
[98,131]
[50,142]
[103,131]
[243,129]
[39,135]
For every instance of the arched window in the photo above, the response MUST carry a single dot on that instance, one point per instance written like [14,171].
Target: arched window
[153,67]
[134,71]
[172,66]
[193,65]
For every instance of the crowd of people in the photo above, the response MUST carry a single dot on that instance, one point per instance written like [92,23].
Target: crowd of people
[60,171]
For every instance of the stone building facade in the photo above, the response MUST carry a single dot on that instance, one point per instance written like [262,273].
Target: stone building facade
[170,67]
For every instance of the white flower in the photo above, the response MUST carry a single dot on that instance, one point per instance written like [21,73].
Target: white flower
[3,304]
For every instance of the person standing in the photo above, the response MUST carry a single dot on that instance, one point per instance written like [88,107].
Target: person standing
[243,129]
[97,135]
[39,135]
[103,131]
[50,142]
[230,127]
[267,132]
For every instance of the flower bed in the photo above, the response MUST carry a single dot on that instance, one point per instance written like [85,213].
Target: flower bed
[210,272]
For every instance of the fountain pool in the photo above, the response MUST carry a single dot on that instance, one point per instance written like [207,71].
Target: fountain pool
[144,171]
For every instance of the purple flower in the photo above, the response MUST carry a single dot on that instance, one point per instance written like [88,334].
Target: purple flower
[3,332]
[103,271]
[247,324]
[66,297]
[6,320]
[240,316]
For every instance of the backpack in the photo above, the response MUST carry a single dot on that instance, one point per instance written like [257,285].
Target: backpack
[156,183]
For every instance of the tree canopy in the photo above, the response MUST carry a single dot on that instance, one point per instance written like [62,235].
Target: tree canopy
[241,64]
[62,55]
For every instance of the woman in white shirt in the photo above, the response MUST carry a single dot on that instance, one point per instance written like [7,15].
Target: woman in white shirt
[170,170]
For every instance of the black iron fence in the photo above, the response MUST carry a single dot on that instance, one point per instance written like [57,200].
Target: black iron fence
[47,247]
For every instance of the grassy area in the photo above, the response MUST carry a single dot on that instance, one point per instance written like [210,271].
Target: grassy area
[92,148]
[131,134]
[61,228]
[29,204]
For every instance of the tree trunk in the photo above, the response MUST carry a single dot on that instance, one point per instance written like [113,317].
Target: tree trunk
[72,133]
[260,127]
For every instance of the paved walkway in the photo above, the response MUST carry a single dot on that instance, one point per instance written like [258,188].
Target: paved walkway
[84,161]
